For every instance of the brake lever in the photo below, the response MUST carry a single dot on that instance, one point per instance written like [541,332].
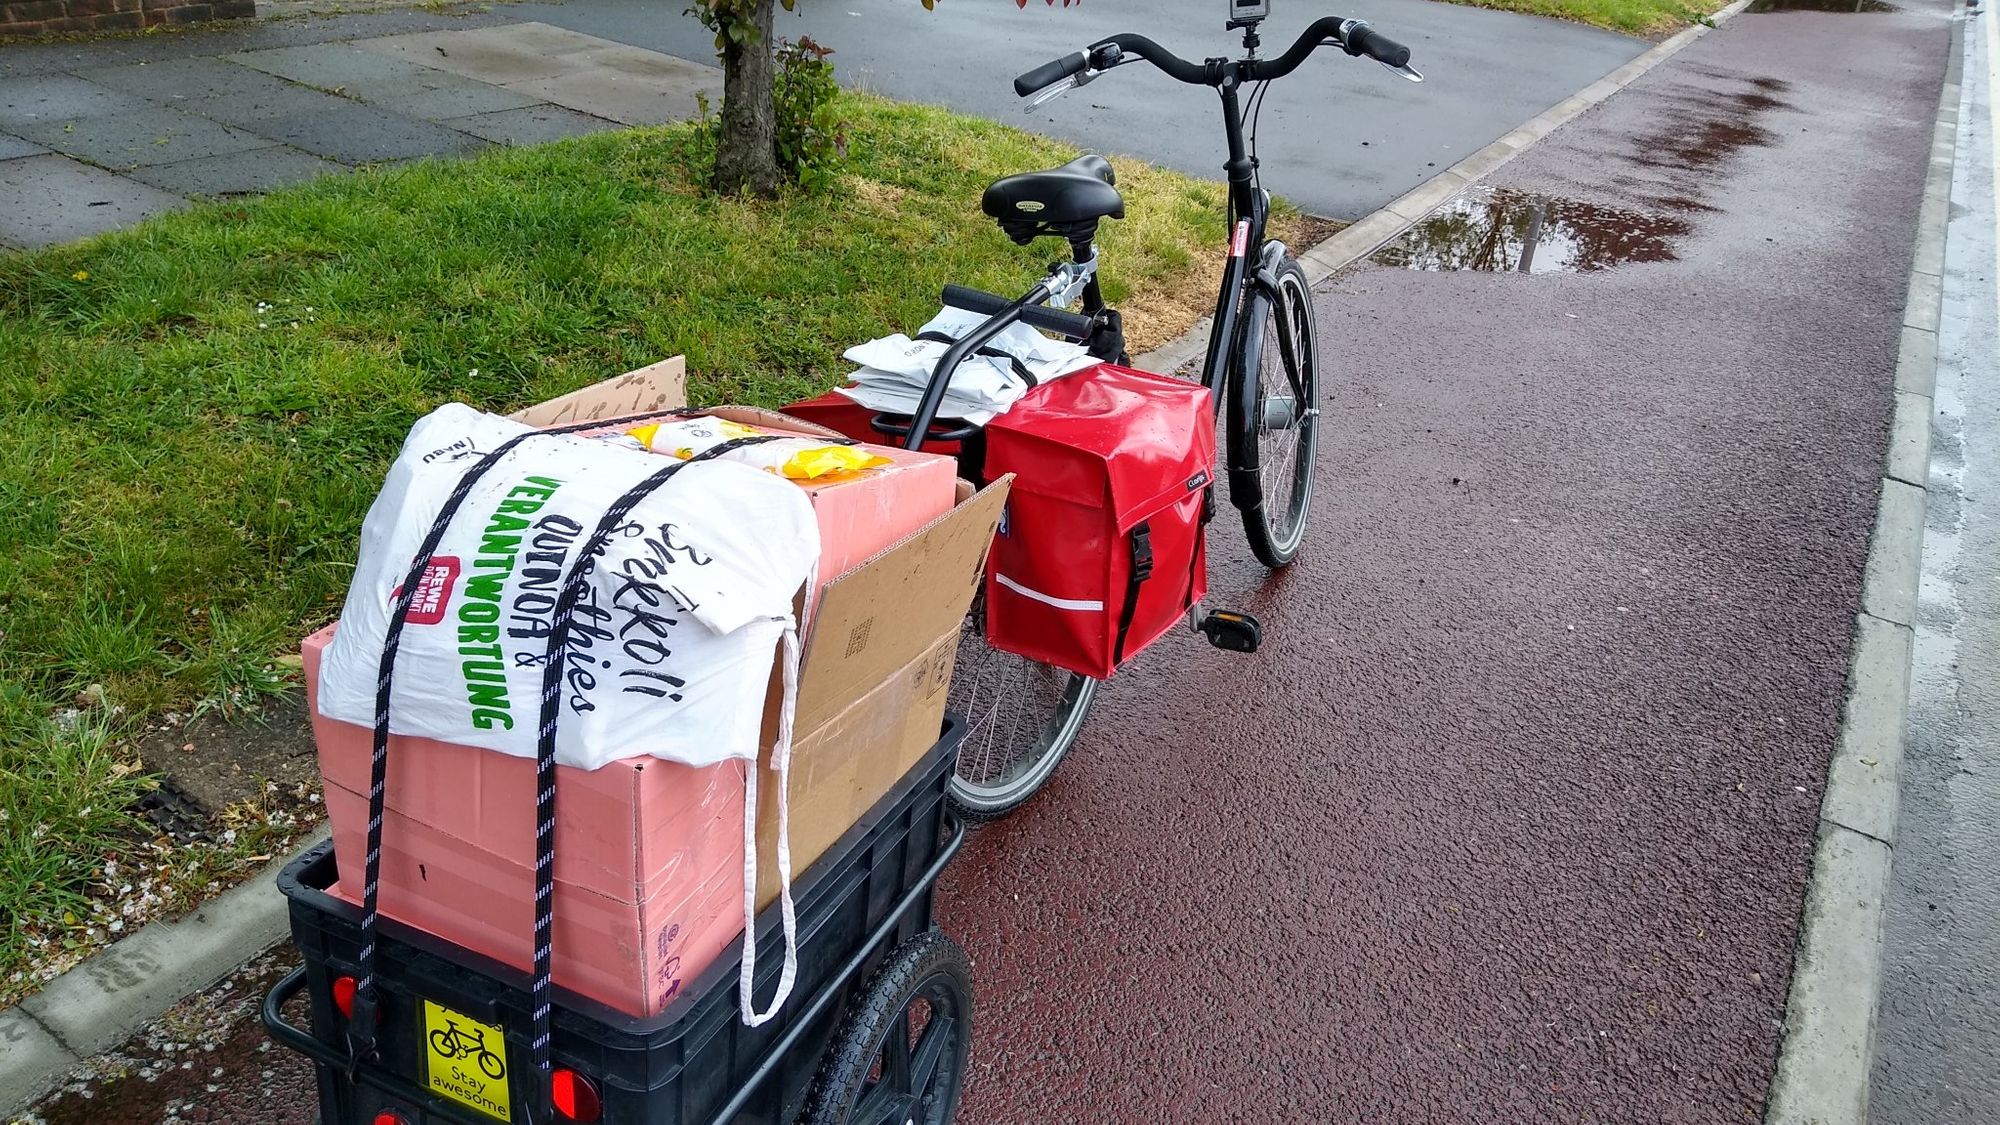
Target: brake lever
[1404,71]
[1057,89]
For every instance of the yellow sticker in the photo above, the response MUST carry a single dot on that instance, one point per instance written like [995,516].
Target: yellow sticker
[467,1060]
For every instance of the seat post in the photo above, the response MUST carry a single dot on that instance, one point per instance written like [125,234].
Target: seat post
[1082,248]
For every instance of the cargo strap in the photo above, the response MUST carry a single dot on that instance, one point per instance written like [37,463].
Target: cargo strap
[367,999]
[554,656]
[1020,369]
[1142,569]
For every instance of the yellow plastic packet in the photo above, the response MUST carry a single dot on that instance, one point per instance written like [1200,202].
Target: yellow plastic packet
[791,458]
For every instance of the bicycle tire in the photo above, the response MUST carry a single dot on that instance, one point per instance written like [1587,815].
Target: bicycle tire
[1276,525]
[864,1073]
[1022,716]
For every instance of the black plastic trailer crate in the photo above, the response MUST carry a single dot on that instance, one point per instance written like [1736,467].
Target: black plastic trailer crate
[877,1028]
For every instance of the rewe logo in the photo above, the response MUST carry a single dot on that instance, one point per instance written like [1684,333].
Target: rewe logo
[433,591]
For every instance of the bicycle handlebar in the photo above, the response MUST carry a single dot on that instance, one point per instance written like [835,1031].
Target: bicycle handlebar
[1049,73]
[1360,39]
[1354,36]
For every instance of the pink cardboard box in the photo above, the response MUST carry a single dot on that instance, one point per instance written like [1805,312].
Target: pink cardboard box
[649,853]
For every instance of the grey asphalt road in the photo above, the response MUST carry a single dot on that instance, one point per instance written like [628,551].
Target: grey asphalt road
[1341,136]
[1938,1038]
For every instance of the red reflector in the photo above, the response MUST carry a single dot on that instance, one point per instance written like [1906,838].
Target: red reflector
[390,1117]
[576,1099]
[343,998]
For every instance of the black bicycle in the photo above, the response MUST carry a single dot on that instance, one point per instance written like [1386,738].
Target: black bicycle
[1262,366]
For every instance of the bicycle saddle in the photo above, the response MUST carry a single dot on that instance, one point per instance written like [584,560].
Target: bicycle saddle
[1076,193]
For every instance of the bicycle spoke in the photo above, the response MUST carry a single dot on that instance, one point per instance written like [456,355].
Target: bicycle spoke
[881,1105]
[931,1047]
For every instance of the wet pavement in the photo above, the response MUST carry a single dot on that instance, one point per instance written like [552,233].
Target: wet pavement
[1511,818]
[206,1061]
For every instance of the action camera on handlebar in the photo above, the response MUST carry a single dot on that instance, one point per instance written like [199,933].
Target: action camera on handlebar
[1246,13]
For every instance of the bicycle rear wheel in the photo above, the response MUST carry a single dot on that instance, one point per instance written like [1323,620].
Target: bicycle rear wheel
[1021,717]
[1274,414]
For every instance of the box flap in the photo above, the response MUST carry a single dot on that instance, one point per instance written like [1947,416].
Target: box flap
[877,617]
[659,386]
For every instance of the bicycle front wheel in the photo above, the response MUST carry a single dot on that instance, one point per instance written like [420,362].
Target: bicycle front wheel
[1274,415]
[1021,717]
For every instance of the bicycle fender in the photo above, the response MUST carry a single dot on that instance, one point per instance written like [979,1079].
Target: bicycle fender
[1246,492]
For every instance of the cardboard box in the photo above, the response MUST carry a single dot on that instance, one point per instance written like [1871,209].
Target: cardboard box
[640,898]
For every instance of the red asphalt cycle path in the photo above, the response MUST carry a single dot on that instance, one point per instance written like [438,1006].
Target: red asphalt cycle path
[1510,820]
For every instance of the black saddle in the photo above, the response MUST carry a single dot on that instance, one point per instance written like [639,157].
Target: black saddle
[1068,200]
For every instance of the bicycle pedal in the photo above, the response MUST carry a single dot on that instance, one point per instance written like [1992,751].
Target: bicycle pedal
[1236,632]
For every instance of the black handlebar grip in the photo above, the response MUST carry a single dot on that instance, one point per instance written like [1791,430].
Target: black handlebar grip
[1049,73]
[1076,326]
[1365,40]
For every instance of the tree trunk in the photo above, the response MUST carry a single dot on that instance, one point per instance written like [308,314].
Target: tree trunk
[746,159]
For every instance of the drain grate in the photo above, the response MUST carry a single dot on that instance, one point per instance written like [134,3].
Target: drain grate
[176,814]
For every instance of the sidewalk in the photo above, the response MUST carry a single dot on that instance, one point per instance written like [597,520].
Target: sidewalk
[95,136]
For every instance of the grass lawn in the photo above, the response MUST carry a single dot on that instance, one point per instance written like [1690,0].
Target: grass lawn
[195,414]
[1654,19]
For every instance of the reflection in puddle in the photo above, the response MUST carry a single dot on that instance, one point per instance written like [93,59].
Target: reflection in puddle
[1504,230]
[1820,6]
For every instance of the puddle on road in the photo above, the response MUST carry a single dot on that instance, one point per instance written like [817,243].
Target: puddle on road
[1505,230]
[1821,6]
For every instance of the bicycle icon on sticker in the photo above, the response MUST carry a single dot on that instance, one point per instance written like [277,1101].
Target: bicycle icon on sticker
[454,1041]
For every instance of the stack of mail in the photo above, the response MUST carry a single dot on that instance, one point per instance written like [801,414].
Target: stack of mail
[896,369]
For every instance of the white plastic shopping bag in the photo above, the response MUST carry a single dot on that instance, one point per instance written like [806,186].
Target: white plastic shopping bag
[670,646]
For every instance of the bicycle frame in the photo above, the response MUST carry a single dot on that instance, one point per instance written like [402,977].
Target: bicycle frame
[1249,212]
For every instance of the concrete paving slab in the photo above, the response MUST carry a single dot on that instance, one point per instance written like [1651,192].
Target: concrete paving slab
[12,146]
[395,84]
[329,65]
[150,135]
[58,98]
[444,95]
[184,80]
[238,173]
[49,199]
[473,54]
[34,1060]
[531,126]
[353,133]
[61,56]
[281,100]
[626,98]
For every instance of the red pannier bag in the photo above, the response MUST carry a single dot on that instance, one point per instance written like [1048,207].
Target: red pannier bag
[1100,549]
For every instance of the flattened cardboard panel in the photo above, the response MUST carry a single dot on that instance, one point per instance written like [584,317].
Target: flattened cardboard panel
[659,386]
[770,420]
[841,769]
[879,616]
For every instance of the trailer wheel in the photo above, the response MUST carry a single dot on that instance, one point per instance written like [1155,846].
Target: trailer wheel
[899,1056]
